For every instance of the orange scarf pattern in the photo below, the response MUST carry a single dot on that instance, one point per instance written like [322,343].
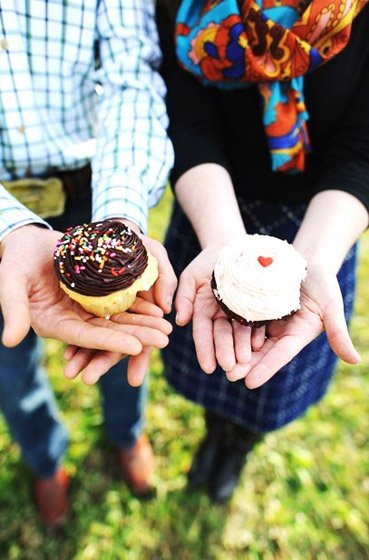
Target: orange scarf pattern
[274,43]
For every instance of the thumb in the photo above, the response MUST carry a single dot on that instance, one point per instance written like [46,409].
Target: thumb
[166,283]
[15,308]
[185,298]
[338,335]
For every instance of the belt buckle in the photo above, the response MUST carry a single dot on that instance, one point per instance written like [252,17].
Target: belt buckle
[44,197]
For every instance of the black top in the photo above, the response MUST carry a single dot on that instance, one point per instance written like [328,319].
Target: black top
[225,127]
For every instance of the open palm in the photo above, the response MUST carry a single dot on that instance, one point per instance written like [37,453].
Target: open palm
[217,340]
[321,309]
[30,295]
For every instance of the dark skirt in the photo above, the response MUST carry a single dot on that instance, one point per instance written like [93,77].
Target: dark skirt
[296,386]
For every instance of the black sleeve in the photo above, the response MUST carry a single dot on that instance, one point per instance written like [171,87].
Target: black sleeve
[193,109]
[346,164]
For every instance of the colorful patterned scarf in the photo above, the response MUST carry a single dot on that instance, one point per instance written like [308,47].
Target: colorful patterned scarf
[229,43]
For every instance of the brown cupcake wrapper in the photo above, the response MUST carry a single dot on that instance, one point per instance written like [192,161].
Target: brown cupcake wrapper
[232,316]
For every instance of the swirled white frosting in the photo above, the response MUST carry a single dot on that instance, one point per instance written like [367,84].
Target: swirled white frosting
[259,277]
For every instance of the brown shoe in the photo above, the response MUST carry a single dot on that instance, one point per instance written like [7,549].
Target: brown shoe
[137,465]
[51,497]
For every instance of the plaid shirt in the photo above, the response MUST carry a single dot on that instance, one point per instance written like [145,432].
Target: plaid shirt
[60,108]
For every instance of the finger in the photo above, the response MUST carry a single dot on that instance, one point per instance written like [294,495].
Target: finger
[166,283]
[238,372]
[242,342]
[271,358]
[14,306]
[223,342]
[338,335]
[276,329]
[69,352]
[149,297]
[257,338]
[112,338]
[148,336]
[78,362]
[185,298]
[145,305]
[130,320]
[202,332]
[138,366]
[100,364]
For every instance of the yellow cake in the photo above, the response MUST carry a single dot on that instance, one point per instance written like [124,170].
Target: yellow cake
[102,266]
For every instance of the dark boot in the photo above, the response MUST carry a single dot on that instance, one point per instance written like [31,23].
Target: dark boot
[206,456]
[52,498]
[137,466]
[237,443]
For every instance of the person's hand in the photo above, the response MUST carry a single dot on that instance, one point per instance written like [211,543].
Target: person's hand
[30,295]
[321,309]
[217,340]
[92,364]
[149,305]
[162,291]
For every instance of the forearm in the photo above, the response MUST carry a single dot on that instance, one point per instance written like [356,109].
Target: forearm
[333,222]
[133,155]
[207,197]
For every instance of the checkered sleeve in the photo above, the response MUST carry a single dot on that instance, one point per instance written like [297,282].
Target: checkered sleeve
[14,215]
[134,154]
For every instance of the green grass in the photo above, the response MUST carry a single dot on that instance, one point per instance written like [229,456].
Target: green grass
[304,493]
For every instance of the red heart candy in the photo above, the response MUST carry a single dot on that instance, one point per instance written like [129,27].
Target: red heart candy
[265,261]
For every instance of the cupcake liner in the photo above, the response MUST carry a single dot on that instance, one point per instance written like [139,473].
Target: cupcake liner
[232,316]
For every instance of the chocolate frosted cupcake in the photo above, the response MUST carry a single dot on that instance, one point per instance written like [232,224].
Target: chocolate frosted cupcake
[103,265]
[257,279]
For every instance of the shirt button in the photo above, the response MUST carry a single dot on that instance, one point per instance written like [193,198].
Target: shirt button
[4,44]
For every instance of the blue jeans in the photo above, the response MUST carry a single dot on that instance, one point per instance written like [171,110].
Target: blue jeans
[28,404]
[27,400]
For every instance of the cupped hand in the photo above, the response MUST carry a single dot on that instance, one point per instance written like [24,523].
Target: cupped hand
[217,340]
[146,321]
[30,295]
[145,316]
[321,309]
[162,291]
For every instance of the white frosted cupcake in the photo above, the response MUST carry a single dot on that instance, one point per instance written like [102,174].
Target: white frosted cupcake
[257,279]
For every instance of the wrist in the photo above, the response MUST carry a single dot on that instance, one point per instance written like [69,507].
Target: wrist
[28,229]
[220,233]
[221,241]
[206,195]
[333,222]
[324,253]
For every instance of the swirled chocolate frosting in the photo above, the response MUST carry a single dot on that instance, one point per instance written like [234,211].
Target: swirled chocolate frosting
[99,258]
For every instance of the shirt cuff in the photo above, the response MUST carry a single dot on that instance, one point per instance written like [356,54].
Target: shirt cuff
[118,200]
